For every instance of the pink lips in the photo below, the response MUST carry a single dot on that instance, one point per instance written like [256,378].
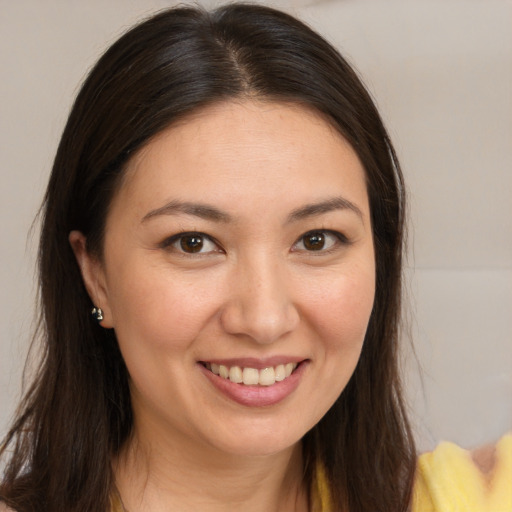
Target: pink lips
[256,396]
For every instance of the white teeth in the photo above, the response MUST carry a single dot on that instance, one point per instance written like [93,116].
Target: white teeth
[288,369]
[235,374]
[252,376]
[280,373]
[267,377]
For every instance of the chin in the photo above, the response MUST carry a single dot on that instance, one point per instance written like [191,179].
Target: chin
[259,442]
[259,448]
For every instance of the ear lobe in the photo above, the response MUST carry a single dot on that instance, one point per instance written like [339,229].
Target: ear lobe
[92,274]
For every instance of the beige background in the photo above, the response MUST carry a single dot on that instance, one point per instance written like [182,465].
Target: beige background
[441,73]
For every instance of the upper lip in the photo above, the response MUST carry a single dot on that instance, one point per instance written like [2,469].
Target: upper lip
[255,362]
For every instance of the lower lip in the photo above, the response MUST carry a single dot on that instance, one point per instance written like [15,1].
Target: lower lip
[257,396]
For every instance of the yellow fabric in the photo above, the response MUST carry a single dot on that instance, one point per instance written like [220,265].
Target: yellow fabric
[448,481]
[116,505]
[320,494]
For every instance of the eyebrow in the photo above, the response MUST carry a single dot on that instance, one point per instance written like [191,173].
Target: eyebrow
[204,211]
[208,212]
[329,205]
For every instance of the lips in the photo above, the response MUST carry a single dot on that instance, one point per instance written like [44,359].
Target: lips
[255,383]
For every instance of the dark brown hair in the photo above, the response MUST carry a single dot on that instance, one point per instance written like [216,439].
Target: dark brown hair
[77,413]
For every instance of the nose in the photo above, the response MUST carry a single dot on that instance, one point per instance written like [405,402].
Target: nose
[259,304]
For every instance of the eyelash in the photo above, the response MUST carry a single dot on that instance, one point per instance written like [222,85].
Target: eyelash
[180,237]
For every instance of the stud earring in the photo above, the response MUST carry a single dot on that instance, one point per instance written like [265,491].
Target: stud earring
[97,314]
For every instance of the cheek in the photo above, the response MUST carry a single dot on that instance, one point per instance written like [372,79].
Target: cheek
[341,308]
[152,306]
[338,315]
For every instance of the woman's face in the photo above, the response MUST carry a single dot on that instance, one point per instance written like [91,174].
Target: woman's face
[239,247]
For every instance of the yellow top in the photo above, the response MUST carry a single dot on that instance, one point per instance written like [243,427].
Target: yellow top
[447,480]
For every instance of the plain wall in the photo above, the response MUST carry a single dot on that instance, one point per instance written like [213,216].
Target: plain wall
[441,74]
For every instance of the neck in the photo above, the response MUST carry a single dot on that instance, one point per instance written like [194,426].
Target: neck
[172,475]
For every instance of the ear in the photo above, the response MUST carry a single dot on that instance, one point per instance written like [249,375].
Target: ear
[93,275]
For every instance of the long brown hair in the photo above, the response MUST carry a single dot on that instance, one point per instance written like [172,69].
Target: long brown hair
[77,413]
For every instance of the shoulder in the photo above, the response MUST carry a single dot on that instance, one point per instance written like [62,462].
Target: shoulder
[450,475]
[5,508]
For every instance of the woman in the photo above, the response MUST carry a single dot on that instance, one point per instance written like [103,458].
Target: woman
[226,201]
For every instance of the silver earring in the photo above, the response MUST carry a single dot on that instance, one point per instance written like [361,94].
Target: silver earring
[97,314]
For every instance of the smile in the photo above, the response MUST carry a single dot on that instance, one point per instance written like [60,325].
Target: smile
[252,376]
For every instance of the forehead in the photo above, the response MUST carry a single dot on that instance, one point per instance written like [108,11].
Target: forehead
[271,151]
[243,123]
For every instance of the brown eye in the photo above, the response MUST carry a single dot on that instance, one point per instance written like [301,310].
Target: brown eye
[314,241]
[320,241]
[191,243]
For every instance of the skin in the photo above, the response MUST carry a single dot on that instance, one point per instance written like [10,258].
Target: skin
[256,290]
